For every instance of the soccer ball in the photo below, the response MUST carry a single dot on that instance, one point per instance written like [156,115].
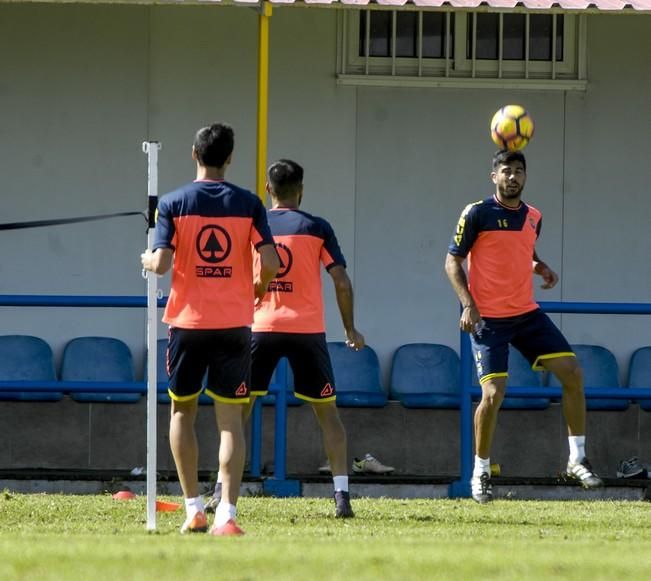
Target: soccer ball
[512,128]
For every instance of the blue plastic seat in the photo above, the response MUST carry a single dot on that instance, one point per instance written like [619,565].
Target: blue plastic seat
[639,373]
[282,378]
[425,375]
[357,376]
[162,378]
[521,375]
[99,359]
[600,369]
[24,358]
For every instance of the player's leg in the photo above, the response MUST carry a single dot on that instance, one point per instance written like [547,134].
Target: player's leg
[314,383]
[336,448]
[334,437]
[232,447]
[185,450]
[542,343]
[485,422]
[569,373]
[186,367]
[490,351]
[266,350]
[228,380]
[492,396]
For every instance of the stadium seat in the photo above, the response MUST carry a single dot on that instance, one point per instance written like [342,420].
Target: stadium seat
[357,376]
[24,358]
[162,377]
[282,378]
[600,369]
[425,375]
[99,359]
[639,373]
[521,375]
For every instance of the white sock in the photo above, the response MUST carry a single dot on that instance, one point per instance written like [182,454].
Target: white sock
[577,448]
[482,465]
[193,506]
[341,483]
[224,513]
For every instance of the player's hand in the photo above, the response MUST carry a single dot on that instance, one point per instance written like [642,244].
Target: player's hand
[146,259]
[550,278]
[355,340]
[470,318]
[259,290]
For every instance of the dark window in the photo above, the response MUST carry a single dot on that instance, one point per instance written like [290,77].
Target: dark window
[514,37]
[434,29]
[407,34]
[380,37]
[487,32]
[381,34]
[540,37]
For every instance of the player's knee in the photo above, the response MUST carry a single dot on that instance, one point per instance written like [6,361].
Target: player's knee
[572,376]
[184,409]
[492,393]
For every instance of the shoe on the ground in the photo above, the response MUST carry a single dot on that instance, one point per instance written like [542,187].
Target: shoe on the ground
[325,469]
[631,468]
[230,529]
[342,505]
[584,474]
[481,488]
[195,524]
[370,465]
[211,502]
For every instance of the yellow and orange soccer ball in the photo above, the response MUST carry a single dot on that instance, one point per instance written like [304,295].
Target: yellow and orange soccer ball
[512,128]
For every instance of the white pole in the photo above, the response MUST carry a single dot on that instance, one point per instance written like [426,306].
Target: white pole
[151,149]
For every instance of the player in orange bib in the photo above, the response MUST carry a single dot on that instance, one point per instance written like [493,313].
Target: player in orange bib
[498,236]
[206,230]
[289,320]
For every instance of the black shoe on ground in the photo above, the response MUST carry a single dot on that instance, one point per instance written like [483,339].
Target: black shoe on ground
[584,474]
[342,505]
[481,488]
[212,502]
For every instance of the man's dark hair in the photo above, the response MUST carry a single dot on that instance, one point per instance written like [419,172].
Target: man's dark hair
[214,144]
[504,156]
[285,178]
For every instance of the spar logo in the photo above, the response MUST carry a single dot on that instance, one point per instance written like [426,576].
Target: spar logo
[213,245]
[286,261]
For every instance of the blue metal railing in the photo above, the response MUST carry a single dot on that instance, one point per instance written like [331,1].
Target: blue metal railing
[461,487]
[125,301]
[130,301]
[457,488]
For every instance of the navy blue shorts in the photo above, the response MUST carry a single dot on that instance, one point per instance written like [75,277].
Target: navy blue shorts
[218,360]
[533,334]
[308,356]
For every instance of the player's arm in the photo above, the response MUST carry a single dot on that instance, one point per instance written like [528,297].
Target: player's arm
[550,278]
[269,266]
[158,261]
[344,292]
[470,316]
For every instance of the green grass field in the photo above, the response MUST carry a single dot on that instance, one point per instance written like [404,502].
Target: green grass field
[96,537]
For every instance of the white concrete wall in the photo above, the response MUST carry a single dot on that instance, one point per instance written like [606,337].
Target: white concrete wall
[82,86]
